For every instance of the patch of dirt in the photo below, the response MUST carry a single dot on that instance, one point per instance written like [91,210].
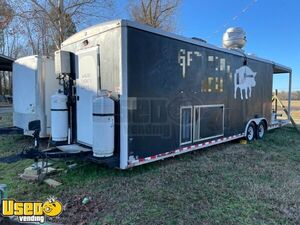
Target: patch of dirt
[75,212]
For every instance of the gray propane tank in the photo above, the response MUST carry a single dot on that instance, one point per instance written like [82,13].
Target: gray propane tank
[59,117]
[103,126]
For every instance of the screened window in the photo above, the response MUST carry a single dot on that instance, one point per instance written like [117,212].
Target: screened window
[186,125]
[211,121]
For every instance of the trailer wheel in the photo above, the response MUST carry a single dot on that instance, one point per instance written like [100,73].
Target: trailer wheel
[250,136]
[261,130]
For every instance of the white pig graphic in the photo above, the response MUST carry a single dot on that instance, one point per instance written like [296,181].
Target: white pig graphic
[244,79]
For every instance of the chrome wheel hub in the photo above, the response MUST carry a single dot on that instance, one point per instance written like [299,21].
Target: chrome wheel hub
[250,133]
[261,131]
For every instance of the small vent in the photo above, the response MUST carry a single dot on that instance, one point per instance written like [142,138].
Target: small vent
[199,39]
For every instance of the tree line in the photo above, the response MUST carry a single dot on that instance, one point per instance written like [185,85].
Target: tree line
[284,95]
[38,27]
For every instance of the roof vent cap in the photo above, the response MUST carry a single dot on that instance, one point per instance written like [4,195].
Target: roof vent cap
[234,38]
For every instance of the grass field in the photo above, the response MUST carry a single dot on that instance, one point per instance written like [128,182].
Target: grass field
[5,119]
[257,183]
[295,104]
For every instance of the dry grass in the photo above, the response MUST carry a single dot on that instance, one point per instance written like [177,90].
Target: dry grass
[295,105]
[5,119]
[295,110]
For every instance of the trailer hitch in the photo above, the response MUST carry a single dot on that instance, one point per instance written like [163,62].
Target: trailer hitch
[34,152]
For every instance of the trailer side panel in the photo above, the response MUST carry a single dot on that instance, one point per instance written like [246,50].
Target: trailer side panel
[181,94]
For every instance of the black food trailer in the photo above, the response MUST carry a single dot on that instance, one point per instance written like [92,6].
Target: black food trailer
[171,94]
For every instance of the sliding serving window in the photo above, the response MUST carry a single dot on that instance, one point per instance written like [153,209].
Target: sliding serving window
[185,125]
[208,122]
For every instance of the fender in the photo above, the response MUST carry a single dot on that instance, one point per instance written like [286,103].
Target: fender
[256,121]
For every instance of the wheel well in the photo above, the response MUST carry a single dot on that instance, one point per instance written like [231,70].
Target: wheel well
[255,122]
[265,123]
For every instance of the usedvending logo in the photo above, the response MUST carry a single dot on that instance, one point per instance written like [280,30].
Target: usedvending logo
[31,212]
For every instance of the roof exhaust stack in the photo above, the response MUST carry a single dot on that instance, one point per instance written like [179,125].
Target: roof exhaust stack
[234,38]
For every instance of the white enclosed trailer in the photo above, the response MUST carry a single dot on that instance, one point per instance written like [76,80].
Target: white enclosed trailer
[34,81]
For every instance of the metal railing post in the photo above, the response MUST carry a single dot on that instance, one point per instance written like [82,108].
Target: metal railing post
[289,97]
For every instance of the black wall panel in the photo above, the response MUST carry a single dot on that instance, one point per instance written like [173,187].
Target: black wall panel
[159,85]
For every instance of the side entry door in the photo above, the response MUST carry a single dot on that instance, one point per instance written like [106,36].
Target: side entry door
[87,85]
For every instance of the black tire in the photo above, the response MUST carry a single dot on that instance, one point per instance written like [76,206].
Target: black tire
[251,132]
[261,130]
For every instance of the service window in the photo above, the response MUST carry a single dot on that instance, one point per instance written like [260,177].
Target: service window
[211,122]
[185,125]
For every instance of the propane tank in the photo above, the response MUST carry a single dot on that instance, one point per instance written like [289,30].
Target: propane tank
[103,126]
[59,117]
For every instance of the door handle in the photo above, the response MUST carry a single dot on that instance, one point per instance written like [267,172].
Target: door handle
[77,97]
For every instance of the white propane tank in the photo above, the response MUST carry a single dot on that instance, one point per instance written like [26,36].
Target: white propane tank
[103,126]
[59,117]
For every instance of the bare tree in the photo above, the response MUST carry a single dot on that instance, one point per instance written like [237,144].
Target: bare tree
[48,23]
[6,14]
[11,39]
[62,16]
[40,26]
[156,13]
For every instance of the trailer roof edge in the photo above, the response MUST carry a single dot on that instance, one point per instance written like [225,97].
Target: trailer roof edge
[103,27]
[278,68]
[32,56]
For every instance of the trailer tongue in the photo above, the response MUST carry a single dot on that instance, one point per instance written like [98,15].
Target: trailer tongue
[11,130]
